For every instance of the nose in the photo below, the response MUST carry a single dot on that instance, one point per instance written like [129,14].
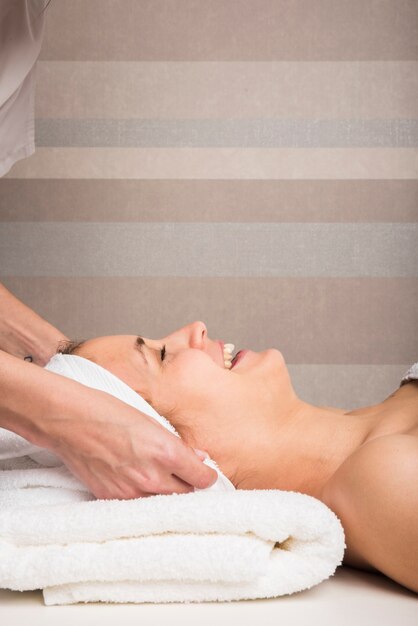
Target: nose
[197,334]
[191,336]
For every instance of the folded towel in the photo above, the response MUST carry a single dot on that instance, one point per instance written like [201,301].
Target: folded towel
[215,544]
[199,546]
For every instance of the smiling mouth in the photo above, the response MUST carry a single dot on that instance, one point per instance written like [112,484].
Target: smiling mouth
[238,357]
[234,360]
[228,350]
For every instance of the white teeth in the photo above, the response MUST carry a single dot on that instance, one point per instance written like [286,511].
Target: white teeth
[228,350]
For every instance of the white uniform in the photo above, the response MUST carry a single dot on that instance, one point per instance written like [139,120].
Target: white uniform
[411,374]
[21,32]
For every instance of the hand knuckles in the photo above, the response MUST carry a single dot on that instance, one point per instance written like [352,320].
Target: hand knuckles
[149,484]
[112,493]
[168,454]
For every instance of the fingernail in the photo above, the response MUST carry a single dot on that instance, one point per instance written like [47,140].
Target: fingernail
[201,453]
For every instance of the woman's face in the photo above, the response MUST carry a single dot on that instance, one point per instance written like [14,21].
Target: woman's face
[211,407]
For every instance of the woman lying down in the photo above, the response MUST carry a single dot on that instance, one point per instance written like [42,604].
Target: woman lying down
[363,464]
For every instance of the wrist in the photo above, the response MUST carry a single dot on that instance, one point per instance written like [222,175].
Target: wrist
[38,341]
[23,332]
[42,346]
[34,402]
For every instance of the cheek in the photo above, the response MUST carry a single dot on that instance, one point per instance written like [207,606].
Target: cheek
[190,381]
[192,375]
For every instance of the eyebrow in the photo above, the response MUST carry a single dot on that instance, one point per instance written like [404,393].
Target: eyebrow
[138,345]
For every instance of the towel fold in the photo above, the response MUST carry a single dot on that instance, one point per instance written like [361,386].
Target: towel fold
[199,546]
[214,544]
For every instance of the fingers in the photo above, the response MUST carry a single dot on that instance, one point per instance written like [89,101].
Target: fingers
[191,470]
[179,470]
[201,454]
[170,466]
[160,482]
[133,483]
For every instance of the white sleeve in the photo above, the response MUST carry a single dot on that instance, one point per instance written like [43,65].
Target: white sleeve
[411,374]
[22,25]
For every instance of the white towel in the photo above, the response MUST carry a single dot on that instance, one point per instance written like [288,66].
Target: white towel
[201,546]
[215,544]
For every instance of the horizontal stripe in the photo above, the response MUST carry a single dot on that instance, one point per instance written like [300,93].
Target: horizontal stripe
[152,30]
[220,163]
[345,386]
[363,321]
[170,249]
[227,133]
[208,200]
[251,90]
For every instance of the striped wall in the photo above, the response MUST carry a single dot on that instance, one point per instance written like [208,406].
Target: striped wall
[249,163]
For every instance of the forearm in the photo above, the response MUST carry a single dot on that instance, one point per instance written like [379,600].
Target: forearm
[30,396]
[23,332]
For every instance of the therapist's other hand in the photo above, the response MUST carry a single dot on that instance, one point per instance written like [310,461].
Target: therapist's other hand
[119,452]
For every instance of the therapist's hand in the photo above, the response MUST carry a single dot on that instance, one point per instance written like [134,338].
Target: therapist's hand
[115,450]
[121,453]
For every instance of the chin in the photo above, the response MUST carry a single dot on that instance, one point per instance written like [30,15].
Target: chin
[278,364]
[276,355]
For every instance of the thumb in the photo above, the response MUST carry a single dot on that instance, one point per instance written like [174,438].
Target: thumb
[202,454]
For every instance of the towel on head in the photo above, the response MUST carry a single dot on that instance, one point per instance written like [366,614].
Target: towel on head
[93,375]
[209,545]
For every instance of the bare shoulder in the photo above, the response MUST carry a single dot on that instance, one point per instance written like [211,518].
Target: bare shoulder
[375,495]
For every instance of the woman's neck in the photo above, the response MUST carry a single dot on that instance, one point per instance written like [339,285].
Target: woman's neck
[302,452]
[300,448]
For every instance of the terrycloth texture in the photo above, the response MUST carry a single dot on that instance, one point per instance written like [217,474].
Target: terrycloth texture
[201,546]
[411,374]
[216,544]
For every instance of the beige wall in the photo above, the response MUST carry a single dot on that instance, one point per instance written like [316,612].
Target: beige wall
[252,164]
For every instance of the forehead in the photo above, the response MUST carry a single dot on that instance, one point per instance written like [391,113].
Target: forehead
[110,344]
